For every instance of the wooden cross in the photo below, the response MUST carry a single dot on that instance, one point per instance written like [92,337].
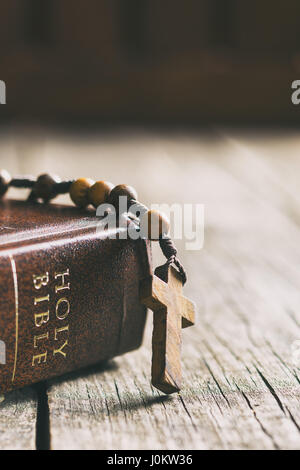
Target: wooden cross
[162,293]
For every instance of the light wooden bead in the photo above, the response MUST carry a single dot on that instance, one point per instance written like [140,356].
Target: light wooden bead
[99,192]
[154,224]
[79,191]
[5,179]
[44,187]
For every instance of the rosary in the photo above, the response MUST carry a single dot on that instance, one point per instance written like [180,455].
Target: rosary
[161,292]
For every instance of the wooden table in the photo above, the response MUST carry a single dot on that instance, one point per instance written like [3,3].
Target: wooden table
[241,370]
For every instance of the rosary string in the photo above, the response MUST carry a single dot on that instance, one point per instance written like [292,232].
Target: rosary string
[84,191]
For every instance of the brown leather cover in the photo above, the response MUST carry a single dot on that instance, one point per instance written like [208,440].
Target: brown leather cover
[61,323]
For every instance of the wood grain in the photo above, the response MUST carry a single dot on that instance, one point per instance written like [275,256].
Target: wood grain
[18,415]
[241,380]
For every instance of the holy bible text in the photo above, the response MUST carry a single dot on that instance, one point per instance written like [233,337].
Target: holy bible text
[69,295]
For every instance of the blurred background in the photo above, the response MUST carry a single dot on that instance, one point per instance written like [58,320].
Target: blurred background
[153,61]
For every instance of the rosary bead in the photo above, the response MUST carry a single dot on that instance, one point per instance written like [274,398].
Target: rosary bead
[154,224]
[122,190]
[99,192]
[44,187]
[79,192]
[5,179]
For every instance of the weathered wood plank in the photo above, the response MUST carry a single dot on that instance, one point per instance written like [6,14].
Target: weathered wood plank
[116,409]
[18,415]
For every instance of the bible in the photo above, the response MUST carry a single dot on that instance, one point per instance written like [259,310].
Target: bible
[69,292]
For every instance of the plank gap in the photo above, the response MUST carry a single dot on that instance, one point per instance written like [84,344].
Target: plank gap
[43,421]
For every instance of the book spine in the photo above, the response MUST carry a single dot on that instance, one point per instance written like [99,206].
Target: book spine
[67,303]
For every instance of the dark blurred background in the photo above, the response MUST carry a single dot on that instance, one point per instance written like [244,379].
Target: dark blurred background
[150,60]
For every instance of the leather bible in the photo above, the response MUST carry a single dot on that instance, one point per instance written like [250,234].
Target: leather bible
[69,292]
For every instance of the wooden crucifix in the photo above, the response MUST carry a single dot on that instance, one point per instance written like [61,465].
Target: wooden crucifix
[162,293]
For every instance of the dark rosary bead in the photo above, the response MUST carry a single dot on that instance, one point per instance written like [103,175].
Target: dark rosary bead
[4,182]
[44,187]
[122,190]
